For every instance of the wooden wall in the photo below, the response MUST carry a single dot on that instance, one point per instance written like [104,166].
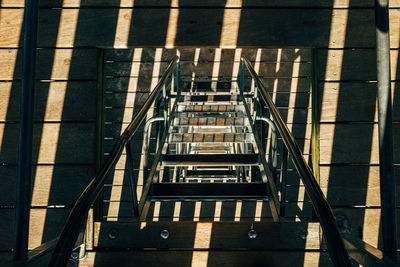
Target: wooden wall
[70,30]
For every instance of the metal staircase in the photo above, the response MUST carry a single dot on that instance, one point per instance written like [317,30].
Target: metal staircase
[209,147]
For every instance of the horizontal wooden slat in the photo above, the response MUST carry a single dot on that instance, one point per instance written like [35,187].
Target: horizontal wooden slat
[354,185]
[44,225]
[51,185]
[353,143]
[200,3]
[349,65]
[220,235]
[58,64]
[58,143]
[208,54]
[209,211]
[127,84]
[205,258]
[202,27]
[54,101]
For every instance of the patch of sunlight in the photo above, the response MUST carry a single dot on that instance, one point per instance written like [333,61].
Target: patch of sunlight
[197,209]
[217,212]
[293,91]
[172,24]
[202,240]
[215,69]
[238,210]
[123,26]
[230,24]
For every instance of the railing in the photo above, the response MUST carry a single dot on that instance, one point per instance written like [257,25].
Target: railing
[337,246]
[76,218]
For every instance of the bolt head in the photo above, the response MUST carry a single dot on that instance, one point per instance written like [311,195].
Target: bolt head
[252,234]
[113,234]
[164,234]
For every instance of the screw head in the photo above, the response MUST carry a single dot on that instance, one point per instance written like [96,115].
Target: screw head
[164,234]
[252,234]
[113,234]
[74,255]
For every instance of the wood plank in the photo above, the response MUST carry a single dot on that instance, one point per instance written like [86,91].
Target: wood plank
[286,69]
[352,102]
[202,27]
[354,185]
[278,84]
[365,223]
[52,185]
[59,143]
[221,235]
[44,225]
[54,101]
[209,211]
[350,65]
[200,3]
[354,143]
[208,54]
[58,64]
[205,258]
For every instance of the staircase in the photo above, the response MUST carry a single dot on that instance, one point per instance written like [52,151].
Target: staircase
[209,147]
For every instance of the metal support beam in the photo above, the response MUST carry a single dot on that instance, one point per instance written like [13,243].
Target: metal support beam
[25,135]
[386,171]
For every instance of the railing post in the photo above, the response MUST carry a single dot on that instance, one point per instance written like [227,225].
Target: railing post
[129,163]
[178,77]
[386,170]
[283,179]
[23,198]
[241,77]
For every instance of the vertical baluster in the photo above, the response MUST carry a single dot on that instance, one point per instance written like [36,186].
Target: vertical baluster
[283,179]
[132,180]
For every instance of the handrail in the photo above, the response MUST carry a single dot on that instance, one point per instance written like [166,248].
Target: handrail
[76,217]
[337,250]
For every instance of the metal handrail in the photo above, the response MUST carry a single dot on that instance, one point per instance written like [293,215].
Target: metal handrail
[334,241]
[76,217]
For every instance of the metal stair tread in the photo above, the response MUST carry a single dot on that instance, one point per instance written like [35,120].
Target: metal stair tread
[209,159]
[210,138]
[212,190]
[211,121]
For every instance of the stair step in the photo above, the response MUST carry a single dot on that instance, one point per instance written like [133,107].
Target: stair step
[210,138]
[209,129]
[210,108]
[209,190]
[210,122]
[211,98]
[210,174]
[215,114]
[210,160]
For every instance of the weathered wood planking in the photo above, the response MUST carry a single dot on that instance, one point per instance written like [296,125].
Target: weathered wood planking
[202,27]
[279,84]
[209,54]
[207,258]
[44,225]
[51,185]
[59,143]
[210,211]
[354,143]
[221,235]
[350,65]
[202,3]
[354,185]
[54,101]
[206,69]
[353,102]
[365,223]
[58,64]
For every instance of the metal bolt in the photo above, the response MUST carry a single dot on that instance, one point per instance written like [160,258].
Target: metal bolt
[164,234]
[252,234]
[74,255]
[112,234]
